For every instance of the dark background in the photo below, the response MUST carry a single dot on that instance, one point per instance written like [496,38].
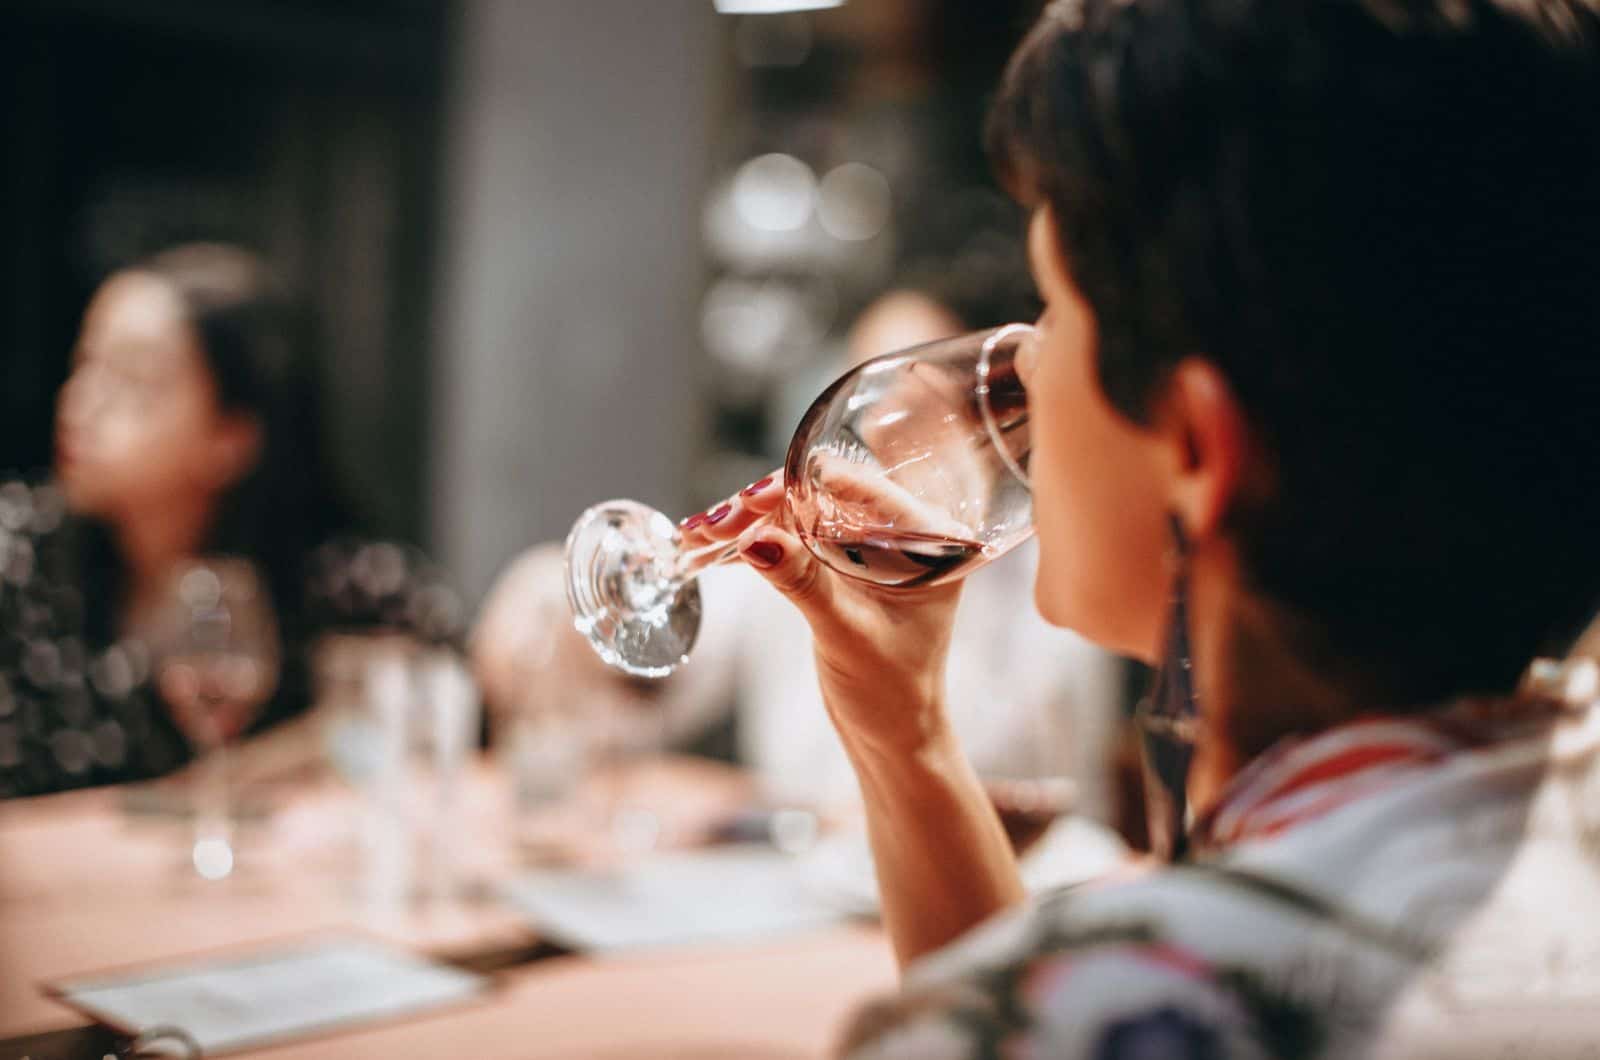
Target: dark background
[494,211]
[307,130]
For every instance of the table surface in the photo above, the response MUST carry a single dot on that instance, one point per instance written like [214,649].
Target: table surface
[84,887]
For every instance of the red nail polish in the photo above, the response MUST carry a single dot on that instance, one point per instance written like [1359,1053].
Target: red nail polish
[764,553]
[756,487]
[720,514]
[692,522]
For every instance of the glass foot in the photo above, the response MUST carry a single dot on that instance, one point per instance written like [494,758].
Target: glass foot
[625,593]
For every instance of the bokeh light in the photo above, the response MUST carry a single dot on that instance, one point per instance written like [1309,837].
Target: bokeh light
[854,202]
[774,192]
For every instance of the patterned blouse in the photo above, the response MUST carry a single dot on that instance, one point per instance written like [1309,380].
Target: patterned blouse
[78,709]
[1393,887]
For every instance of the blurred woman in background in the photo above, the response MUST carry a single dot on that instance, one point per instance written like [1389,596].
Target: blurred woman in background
[188,426]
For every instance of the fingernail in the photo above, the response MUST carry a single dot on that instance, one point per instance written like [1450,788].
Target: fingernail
[720,514]
[764,553]
[756,487]
[692,522]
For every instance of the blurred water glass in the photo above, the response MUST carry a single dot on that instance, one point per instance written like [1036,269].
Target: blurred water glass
[627,732]
[570,739]
[402,727]
[547,740]
[443,740]
[547,758]
[344,667]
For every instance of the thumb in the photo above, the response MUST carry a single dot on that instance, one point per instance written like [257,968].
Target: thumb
[778,555]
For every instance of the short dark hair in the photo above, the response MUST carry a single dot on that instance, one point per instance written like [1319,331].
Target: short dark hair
[1380,220]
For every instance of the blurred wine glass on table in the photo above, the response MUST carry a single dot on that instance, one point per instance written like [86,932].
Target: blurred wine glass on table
[215,641]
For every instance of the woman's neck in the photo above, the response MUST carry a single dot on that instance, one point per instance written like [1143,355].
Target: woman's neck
[151,542]
[1252,689]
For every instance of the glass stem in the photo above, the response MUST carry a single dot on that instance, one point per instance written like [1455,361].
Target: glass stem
[211,804]
[692,562]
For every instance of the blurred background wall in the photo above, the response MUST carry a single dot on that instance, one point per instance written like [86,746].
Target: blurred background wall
[566,354]
[554,250]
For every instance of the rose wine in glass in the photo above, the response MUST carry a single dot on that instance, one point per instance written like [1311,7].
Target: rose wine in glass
[898,560]
[910,470]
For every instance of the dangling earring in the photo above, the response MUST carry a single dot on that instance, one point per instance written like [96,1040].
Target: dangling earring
[1168,720]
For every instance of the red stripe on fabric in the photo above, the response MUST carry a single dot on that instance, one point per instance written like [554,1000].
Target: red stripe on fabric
[1263,821]
[1253,807]
[1349,761]
[1316,809]
[1173,957]
[1234,819]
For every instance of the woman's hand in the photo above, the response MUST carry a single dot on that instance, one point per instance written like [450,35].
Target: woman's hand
[880,652]
[880,659]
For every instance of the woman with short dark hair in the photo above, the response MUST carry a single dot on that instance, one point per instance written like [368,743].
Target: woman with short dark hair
[1313,407]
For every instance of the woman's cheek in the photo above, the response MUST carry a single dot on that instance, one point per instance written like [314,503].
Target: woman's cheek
[1051,496]
[1100,524]
[157,455]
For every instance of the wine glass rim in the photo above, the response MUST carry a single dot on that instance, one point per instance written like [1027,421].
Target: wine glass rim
[990,424]
[988,337]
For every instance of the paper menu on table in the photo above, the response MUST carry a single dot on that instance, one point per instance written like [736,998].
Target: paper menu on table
[271,995]
[732,894]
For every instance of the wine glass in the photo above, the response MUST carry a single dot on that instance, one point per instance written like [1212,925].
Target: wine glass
[910,470]
[216,645]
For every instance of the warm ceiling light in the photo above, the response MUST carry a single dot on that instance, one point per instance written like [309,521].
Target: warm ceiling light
[771,7]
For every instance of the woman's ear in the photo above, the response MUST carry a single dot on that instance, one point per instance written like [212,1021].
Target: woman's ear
[1210,441]
[233,450]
